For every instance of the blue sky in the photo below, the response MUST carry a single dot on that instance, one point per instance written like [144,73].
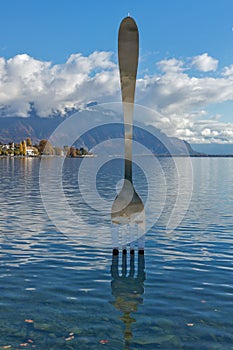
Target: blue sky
[52,30]
[186,48]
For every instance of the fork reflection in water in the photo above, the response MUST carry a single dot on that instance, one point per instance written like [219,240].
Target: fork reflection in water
[128,289]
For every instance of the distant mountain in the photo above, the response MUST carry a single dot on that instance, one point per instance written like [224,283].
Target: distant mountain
[150,137]
[18,128]
[214,148]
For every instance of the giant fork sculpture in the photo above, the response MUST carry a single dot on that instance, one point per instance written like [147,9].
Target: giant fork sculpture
[128,208]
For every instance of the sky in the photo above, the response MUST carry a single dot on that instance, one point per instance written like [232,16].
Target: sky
[61,54]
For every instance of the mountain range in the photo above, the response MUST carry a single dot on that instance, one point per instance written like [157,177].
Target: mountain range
[37,128]
[214,148]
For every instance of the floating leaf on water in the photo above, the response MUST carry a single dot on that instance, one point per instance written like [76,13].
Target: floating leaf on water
[70,338]
[28,320]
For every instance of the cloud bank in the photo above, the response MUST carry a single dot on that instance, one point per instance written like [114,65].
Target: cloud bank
[53,88]
[205,63]
[175,90]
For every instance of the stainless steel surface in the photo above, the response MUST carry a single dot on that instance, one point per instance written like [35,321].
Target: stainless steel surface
[128,207]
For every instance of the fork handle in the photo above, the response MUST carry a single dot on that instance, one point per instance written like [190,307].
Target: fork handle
[128,39]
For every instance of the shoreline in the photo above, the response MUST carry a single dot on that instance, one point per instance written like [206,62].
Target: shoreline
[114,155]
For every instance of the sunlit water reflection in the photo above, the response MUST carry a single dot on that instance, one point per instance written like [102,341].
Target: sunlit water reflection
[67,292]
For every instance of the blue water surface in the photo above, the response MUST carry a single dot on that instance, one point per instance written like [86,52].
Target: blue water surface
[57,292]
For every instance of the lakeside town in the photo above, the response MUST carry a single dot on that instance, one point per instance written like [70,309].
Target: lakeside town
[26,148]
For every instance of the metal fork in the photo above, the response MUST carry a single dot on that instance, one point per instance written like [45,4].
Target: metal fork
[128,209]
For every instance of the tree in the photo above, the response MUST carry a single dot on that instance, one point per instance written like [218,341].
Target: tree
[45,147]
[83,151]
[29,142]
[24,145]
[73,152]
[21,148]
[78,152]
[16,152]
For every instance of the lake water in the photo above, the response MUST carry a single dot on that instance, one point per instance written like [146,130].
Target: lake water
[61,291]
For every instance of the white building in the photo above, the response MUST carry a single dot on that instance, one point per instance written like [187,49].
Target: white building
[31,151]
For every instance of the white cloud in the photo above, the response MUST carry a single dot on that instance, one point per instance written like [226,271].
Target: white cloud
[180,99]
[205,63]
[170,65]
[228,71]
[24,79]
[183,99]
